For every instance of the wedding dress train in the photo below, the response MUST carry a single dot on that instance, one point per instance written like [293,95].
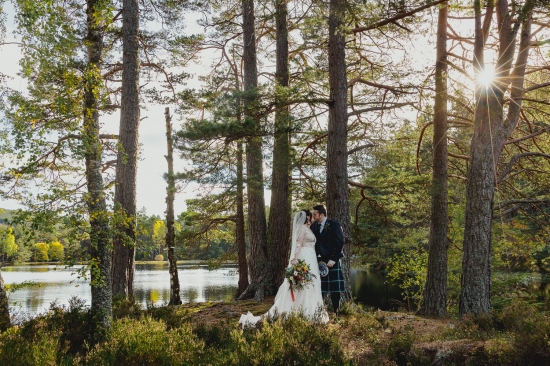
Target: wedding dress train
[307,301]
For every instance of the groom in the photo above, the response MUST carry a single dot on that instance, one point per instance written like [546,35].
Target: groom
[328,247]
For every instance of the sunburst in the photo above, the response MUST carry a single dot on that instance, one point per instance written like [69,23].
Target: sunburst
[486,76]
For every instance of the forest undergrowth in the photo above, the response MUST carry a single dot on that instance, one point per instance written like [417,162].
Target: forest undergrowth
[208,334]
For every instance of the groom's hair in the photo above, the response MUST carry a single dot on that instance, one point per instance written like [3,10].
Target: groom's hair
[320,209]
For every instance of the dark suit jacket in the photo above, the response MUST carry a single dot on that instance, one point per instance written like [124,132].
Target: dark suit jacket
[330,242]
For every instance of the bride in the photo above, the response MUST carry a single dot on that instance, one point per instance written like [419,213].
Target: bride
[309,300]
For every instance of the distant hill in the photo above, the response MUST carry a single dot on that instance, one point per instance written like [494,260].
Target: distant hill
[5,214]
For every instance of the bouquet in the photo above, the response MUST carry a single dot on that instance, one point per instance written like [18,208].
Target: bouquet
[298,276]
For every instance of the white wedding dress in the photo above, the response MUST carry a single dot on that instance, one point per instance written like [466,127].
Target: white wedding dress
[307,301]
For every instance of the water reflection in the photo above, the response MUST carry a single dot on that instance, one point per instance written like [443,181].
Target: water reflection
[370,288]
[152,286]
[49,283]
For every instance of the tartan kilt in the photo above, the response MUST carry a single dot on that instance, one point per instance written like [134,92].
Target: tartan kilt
[334,281]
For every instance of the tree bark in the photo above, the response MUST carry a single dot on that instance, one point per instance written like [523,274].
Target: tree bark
[100,232]
[126,168]
[278,231]
[254,163]
[337,194]
[491,130]
[434,302]
[170,234]
[5,321]
[239,223]
[240,237]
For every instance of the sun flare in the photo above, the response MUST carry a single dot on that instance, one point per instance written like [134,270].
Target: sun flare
[486,76]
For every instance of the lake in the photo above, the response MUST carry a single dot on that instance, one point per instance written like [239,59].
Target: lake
[49,283]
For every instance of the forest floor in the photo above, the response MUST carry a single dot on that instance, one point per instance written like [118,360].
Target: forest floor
[365,335]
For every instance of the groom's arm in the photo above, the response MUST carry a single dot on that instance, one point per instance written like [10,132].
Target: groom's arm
[318,251]
[337,241]
[317,244]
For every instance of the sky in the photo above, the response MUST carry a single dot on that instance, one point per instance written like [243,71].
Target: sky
[151,187]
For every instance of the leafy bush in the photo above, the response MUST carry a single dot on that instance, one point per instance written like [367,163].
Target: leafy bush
[408,270]
[146,342]
[56,251]
[40,252]
[159,257]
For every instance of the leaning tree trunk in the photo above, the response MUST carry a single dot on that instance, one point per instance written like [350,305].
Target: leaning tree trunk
[100,232]
[434,301]
[254,168]
[337,151]
[126,168]
[170,235]
[491,130]
[278,231]
[239,223]
[5,321]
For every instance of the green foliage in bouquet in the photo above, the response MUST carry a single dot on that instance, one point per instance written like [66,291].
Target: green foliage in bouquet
[299,275]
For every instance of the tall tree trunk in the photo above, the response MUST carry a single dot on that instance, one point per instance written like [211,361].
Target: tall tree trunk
[100,231]
[239,223]
[254,168]
[278,231]
[434,301]
[491,130]
[240,237]
[337,150]
[126,168]
[170,235]
[5,321]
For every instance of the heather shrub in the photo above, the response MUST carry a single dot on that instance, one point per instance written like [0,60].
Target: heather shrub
[284,341]
[38,348]
[172,316]
[146,342]
[528,330]
[366,327]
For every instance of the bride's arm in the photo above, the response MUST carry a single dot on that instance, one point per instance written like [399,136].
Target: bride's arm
[299,243]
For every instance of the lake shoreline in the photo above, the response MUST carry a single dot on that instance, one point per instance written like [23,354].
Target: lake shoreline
[164,262]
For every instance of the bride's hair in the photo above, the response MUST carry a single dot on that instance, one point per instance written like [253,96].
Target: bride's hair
[308,214]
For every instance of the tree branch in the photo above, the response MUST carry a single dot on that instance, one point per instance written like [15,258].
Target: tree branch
[360,148]
[396,105]
[514,159]
[377,85]
[397,17]
[523,201]
[539,132]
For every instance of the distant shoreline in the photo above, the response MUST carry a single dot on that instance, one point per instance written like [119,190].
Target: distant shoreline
[194,261]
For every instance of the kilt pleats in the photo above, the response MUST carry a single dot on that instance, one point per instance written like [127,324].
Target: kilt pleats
[334,281]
